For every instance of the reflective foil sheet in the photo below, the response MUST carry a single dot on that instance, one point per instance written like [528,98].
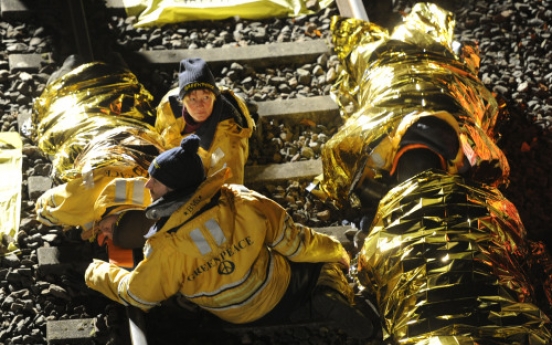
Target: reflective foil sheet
[391,81]
[11,177]
[96,122]
[161,12]
[119,152]
[449,263]
[84,103]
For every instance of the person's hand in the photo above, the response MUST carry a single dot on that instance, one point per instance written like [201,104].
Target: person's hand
[361,234]
[345,261]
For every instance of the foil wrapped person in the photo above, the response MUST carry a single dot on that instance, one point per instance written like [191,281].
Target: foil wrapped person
[403,95]
[96,123]
[446,256]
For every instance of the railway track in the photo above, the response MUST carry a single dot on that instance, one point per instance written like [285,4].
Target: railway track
[319,109]
[135,328]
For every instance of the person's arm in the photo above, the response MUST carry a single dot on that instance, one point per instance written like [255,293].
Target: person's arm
[297,242]
[168,124]
[154,280]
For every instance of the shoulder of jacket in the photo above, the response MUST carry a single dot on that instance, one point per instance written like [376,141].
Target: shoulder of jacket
[160,243]
[238,191]
[239,105]
[175,105]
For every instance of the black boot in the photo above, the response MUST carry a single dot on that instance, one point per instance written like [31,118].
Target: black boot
[331,305]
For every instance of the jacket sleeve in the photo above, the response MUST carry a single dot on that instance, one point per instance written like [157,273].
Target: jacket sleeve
[167,124]
[155,279]
[297,242]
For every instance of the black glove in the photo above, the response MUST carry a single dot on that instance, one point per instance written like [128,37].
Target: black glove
[73,280]
[361,234]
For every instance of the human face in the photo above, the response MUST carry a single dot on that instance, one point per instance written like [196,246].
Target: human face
[107,225]
[199,104]
[156,188]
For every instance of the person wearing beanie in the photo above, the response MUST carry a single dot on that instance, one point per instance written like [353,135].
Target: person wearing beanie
[232,253]
[219,117]
[180,169]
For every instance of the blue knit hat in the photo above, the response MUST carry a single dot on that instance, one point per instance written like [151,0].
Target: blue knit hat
[179,168]
[195,74]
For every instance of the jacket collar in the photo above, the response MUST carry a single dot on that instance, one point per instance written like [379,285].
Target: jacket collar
[189,205]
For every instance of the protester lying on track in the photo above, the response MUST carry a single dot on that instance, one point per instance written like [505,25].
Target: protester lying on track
[231,251]
[445,253]
[96,122]
[218,116]
[411,95]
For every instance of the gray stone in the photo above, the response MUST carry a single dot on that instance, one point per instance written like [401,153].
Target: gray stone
[25,62]
[38,185]
[68,331]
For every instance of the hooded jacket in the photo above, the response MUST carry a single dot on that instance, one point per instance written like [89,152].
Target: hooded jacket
[230,258]
[224,136]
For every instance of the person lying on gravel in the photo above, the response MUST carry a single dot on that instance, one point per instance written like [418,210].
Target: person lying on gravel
[231,251]
[218,116]
[96,122]
[412,100]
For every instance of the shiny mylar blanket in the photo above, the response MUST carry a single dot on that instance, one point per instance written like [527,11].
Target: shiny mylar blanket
[449,263]
[95,122]
[390,81]
[446,257]
[11,158]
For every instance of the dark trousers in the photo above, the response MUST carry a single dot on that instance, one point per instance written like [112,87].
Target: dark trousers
[302,282]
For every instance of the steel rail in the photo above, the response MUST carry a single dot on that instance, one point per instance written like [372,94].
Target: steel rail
[136,326]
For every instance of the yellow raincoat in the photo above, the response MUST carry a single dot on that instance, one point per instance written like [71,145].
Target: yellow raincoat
[231,259]
[96,124]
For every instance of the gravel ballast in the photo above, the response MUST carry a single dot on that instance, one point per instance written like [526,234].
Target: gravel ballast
[515,42]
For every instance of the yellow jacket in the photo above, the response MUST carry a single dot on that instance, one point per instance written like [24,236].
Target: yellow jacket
[228,146]
[231,259]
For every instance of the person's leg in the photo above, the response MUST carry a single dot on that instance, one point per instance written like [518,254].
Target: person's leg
[302,281]
[428,144]
[333,299]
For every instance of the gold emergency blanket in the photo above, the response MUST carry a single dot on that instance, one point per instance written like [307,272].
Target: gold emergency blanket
[449,263]
[389,82]
[160,12]
[123,152]
[96,123]
[10,188]
[84,103]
